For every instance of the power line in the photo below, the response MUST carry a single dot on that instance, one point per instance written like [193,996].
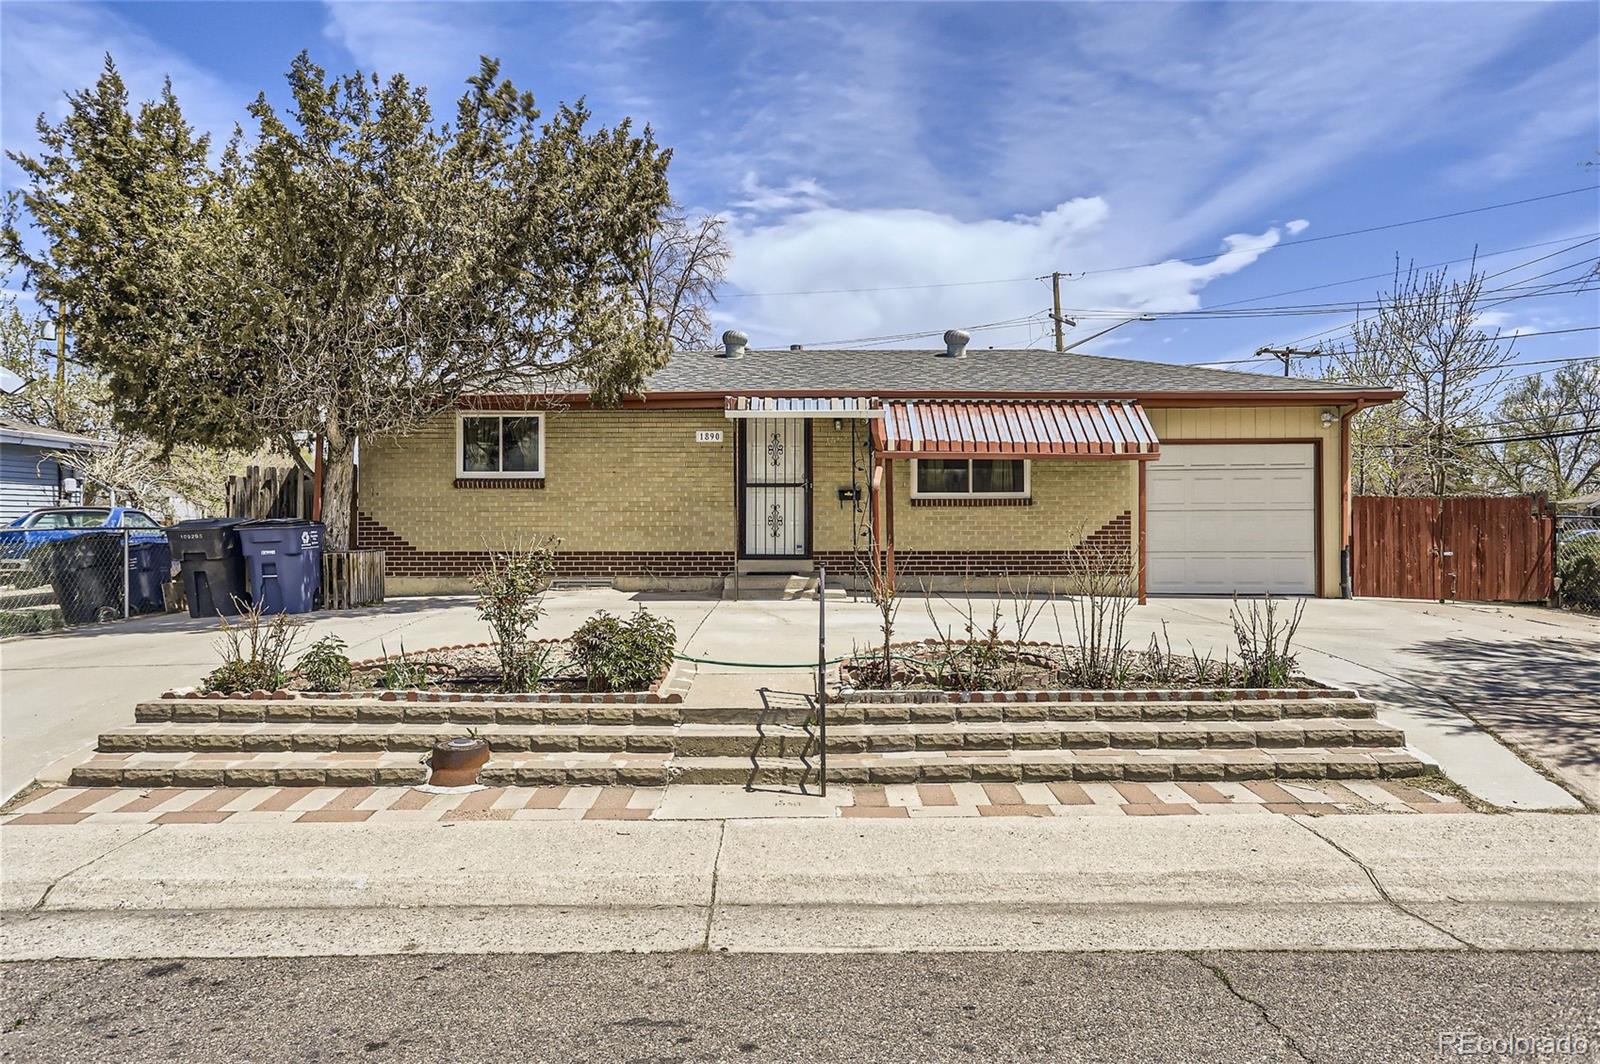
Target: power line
[1307,309]
[1163,262]
[1321,354]
[1359,232]
[1539,437]
[1591,238]
[1501,273]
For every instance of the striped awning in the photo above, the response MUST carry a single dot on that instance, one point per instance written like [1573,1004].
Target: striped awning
[798,406]
[1028,429]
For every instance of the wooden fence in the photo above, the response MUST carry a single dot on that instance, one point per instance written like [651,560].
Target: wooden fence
[269,491]
[1477,549]
[352,578]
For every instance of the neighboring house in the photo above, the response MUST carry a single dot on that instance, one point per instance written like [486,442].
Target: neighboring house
[1585,505]
[968,466]
[30,477]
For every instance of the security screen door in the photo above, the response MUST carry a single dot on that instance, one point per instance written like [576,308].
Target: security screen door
[775,487]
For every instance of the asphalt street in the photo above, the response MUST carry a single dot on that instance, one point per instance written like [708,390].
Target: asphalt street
[1190,1007]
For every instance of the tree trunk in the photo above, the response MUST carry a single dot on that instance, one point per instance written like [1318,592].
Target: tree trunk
[338,493]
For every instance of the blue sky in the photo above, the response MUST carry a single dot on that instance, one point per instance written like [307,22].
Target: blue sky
[902,146]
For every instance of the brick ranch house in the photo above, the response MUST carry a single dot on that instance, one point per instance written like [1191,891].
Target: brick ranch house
[967,466]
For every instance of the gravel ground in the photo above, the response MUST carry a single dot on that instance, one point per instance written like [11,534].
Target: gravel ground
[905,1007]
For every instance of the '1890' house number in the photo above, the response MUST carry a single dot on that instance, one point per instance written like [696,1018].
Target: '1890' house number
[708,436]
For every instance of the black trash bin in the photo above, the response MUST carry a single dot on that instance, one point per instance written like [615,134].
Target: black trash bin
[284,559]
[149,568]
[86,573]
[208,553]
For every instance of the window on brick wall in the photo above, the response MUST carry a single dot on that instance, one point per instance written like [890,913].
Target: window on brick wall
[962,478]
[500,445]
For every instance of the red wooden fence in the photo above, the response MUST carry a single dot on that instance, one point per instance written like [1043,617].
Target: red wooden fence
[1479,549]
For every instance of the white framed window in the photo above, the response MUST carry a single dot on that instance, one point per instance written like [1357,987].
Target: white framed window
[500,445]
[969,478]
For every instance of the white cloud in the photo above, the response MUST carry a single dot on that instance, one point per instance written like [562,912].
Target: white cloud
[431,44]
[837,251]
[801,193]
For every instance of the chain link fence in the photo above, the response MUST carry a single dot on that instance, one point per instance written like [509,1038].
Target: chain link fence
[1578,560]
[84,578]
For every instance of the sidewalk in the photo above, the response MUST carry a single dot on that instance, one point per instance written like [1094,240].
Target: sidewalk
[1468,881]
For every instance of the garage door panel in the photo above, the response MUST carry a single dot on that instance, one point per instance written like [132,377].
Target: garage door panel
[1218,573]
[1226,518]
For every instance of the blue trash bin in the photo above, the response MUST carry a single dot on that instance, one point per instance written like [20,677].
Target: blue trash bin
[149,567]
[284,560]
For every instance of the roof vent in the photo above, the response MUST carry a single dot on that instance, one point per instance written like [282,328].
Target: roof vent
[955,343]
[733,342]
[796,347]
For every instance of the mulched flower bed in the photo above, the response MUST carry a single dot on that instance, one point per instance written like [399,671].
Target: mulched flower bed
[976,665]
[470,667]
[468,670]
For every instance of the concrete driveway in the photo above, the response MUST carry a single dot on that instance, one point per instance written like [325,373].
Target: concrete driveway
[1452,676]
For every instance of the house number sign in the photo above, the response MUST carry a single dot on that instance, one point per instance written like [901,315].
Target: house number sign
[708,436]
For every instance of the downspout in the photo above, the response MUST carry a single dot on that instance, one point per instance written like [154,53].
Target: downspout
[1346,560]
[1345,589]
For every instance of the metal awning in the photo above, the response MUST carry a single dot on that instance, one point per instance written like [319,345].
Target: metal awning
[982,428]
[736,406]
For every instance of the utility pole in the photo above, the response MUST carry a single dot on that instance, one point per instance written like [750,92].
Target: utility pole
[1055,289]
[61,365]
[1285,355]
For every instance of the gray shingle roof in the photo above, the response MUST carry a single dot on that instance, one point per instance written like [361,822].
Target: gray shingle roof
[880,372]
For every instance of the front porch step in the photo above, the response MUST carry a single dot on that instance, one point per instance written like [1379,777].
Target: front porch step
[737,740]
[316,769]
[372,711]
[769,586]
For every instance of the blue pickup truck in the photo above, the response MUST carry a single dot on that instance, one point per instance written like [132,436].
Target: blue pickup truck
[33,530]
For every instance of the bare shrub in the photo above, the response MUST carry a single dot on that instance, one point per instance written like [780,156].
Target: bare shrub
[1105,588]
[1264,638]
[254,650]
[878,669]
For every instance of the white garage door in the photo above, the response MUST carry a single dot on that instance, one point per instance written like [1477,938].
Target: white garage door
[1226,517]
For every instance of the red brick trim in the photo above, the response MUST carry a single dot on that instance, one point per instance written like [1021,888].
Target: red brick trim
[404,560]
[921,501]
[1182,694]
[531,483]
[1108,547]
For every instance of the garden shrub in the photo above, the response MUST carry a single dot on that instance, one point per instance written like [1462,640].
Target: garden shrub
[253,651]
[1580,577]
[402,673]
[324,666]
[618,654]
[511,589]
[1264,639]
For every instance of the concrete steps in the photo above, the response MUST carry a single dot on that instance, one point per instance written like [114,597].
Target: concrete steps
[372,711]
[737,740]
[321,768]
[189,742]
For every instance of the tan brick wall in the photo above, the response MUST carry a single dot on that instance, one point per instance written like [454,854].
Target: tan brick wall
[614,480]
[1070,499]
[636,482]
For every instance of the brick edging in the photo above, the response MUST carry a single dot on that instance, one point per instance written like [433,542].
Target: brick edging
[671,687]
[1190,694]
